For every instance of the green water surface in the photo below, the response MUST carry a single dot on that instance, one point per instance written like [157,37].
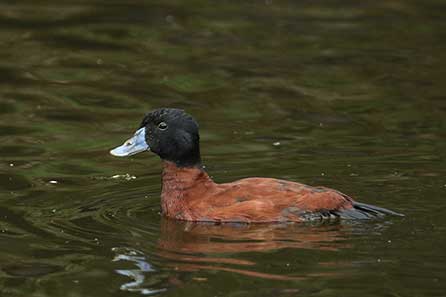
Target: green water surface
[345,94]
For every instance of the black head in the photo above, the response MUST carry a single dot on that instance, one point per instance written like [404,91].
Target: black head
[170,133]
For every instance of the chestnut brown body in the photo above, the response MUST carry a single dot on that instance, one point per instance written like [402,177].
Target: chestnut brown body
[190,194]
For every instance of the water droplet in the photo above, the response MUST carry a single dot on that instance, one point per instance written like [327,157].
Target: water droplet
[277,143]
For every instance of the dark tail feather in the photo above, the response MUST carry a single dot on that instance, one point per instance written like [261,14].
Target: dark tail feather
[366,211]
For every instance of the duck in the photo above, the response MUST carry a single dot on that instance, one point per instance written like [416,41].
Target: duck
[190,194]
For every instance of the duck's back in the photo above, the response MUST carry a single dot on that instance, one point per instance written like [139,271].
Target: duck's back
[267,200]
[191,195]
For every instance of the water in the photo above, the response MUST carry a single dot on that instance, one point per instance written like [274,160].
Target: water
[337,93]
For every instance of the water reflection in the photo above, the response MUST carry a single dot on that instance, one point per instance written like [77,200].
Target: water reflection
[192,238]
[197,246]
[191,247]
[138,274]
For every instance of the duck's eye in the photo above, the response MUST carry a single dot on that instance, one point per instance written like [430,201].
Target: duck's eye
[162,126]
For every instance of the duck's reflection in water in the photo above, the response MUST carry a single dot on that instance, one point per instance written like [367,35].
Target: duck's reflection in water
[186,246]
[193,246]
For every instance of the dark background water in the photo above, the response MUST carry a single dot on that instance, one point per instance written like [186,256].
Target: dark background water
[344,94]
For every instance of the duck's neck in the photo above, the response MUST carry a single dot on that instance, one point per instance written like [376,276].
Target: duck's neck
[181,185]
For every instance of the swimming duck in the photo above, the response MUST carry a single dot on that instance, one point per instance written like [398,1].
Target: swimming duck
[189,194]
